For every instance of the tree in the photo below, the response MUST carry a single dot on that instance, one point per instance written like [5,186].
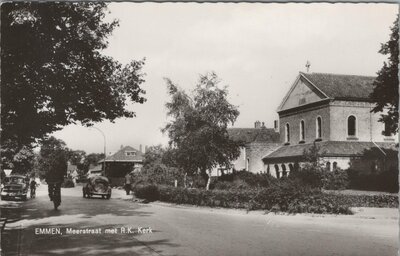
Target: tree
[386,85]
[198,133]
[53,158]
[92,159]
[54,72]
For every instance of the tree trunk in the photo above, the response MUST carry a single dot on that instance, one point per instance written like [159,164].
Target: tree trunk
[208,180]
[184,180]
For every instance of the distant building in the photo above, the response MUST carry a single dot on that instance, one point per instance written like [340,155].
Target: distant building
[126,160]
[258,142]
[335,112]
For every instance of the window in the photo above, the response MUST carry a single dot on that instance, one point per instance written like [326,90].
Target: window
[130,153]
[287,133]
[351,126]
[277,170]
[328,166]
[387,132]
[302,130]
[334,166]
[318,131]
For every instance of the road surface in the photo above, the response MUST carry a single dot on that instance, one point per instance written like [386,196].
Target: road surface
[163,229]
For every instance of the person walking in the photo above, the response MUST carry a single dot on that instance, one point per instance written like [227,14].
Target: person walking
[128,182]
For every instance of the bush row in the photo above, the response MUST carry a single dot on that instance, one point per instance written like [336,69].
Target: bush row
[274,198]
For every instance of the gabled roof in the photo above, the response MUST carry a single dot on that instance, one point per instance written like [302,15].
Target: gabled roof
[334,86]
[337,86]
[327,148]
[250,135]
[121,156]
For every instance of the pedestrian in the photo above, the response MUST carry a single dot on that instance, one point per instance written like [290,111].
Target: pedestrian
[128,182]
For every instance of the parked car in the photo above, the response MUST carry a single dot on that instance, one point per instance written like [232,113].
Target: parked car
[15,187]
[97,186]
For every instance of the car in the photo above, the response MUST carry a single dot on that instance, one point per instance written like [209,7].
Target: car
[97,186]
[15,187]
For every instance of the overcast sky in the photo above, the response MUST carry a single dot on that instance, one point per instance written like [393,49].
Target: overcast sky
[256,49]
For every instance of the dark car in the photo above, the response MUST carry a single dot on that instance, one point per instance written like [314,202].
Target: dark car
[97,186]
[15,187]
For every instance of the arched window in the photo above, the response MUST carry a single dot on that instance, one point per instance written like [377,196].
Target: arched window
[351,126]
[277,170]
[328,166]
[287,133]
[284,172]
[334,166]
[302,130]
[318,126]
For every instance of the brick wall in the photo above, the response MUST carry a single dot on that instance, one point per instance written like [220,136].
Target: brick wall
[255,152]
[368,127]
[309,118]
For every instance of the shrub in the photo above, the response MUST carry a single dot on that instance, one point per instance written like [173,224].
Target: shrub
[242,180]
[149,192]
[386,181]
[68,183]
[335,180]
[309,175]
[288,196]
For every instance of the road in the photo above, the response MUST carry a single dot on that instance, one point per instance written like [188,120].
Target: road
[178,230]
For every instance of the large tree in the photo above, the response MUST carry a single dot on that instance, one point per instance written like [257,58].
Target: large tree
[52,159]
[54,72]
[386,85]
[198,134]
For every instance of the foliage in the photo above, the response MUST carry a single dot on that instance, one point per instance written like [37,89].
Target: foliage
[386,85]
[149,192]
[54,74]
[68,183]
[198,128]
[92,159]
[335,180]
[309,175]
[52,162]
[285,198]
[387,181]
[242,180]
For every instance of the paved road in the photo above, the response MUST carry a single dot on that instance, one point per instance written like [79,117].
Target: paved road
[185,230]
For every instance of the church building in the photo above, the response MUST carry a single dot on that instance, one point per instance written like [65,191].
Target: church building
[333,112]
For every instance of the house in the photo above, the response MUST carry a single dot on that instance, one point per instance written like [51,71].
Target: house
[257,142]
[334,112]
[124,161]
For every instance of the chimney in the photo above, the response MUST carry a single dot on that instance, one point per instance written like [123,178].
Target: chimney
[276,126]
[257,124]
[140,148]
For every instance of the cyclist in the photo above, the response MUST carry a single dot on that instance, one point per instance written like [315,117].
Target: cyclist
[54,180]
[33,185]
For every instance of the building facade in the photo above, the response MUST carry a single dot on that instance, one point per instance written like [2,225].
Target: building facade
[334,112]
[257,142]
[124,161]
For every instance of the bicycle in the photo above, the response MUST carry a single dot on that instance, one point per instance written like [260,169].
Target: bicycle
[55,194]
[33,192]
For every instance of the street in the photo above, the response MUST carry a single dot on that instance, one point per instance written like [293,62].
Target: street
[185,230]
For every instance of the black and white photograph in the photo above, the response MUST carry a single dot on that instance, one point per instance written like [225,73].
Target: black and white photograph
[199,128]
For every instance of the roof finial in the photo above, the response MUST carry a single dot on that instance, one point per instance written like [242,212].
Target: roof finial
[308,64]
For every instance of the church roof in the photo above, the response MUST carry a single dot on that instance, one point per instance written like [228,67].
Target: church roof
[327,148]
[250,135]
[336,86]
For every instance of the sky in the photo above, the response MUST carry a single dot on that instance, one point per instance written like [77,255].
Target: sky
[256,49]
